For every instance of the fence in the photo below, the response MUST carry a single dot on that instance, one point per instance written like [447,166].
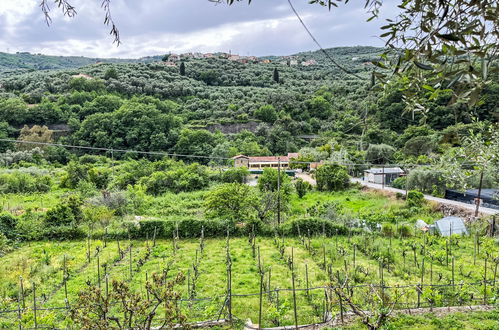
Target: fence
[277,307]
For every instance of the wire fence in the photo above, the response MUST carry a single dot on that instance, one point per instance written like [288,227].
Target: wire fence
[278,306]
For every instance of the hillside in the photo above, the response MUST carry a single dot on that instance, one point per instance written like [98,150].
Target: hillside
[248,105]
[25,62]
[21,62]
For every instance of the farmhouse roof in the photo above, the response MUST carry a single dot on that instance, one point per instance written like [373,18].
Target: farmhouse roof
[264,159]
[240,156]
[386,170]
[451,225]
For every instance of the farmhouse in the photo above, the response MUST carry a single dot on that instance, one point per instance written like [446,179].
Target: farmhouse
[382,175]
[260,162]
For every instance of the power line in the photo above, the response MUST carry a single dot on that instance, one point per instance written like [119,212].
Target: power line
[156,153]
[161,153]
[319,45]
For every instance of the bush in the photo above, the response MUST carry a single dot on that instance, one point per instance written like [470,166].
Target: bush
[18,183]
[415,199]
[115,201]
[302,187]
[400,182]
[332,177]
[236,174]
[8,225]
[404,230]
[66,213]
[233,201]
[63,233]
[186,178]
[387,229]
[426,180]
[313,225]
[191,228]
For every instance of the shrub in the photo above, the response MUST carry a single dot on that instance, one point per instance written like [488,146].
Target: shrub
[415,199]
[387,229]
[400,182]
[66,213]
[234,201]
[302,187]
[426,180]
[115,201]
[8,225]
[186,178]
[18,182]
[404,230]
[332,177]
[313,225]
[236,174]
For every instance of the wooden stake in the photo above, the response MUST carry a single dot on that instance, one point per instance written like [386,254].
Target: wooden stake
[293,283]
[306,279]
[485,282]
[34,305]
[261,302]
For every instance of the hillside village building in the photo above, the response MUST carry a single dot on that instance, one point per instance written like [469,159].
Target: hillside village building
[260,162]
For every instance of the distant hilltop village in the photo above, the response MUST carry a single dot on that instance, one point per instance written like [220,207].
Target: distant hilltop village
[171,59]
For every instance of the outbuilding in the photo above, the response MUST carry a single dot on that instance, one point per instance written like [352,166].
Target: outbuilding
[449,226]
[384,175]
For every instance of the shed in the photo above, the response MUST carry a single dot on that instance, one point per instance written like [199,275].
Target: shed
[451,225]
[382,175]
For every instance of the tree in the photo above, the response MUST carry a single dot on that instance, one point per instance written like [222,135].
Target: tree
[235,174]
[5,130]
[270,180]
[233,201]
[198,142]
[35,134]
[182,69]
[302,187]
[275,75]
[379,153]
[332,177]
[266,113]
[424,45]
[111,73]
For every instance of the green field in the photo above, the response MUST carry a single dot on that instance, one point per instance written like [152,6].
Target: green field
[356,258]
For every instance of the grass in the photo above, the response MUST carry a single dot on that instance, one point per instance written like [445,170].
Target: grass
[42,263]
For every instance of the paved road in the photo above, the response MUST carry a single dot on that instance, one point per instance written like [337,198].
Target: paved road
[471,207]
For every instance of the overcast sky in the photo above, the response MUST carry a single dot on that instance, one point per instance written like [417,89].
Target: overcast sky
[151,27]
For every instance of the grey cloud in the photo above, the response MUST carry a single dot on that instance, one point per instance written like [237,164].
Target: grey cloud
[162,25]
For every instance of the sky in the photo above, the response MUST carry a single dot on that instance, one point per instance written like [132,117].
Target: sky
[152,27]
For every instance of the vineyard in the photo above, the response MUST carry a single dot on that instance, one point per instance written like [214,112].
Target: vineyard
[272,281]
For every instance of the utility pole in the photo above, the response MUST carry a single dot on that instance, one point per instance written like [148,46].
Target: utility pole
[278,190]
[383,178]
[479,194]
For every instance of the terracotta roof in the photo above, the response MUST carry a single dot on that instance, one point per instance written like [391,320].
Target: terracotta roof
[240,156]
[269,159]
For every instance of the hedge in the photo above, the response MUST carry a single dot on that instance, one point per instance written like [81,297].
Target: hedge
[191,228]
